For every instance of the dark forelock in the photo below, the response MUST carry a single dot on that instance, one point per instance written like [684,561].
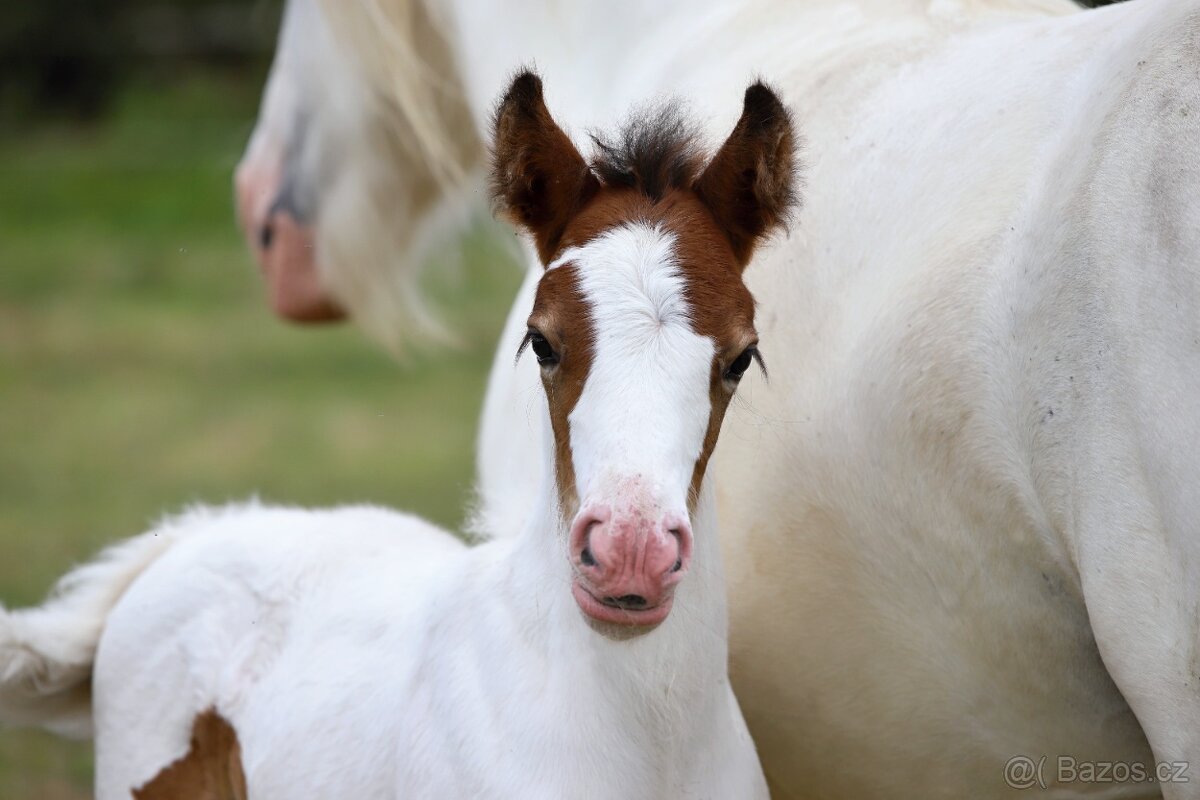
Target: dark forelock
[655,150]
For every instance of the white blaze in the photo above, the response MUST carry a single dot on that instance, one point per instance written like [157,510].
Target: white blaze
[645,406]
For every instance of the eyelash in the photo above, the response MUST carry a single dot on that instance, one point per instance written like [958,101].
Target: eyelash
[751,354]
[546,356]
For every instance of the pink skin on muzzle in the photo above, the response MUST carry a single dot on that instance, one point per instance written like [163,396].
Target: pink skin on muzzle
[627,563]
[284,248]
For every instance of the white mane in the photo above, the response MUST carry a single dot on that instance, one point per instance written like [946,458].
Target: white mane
[389,145]
[402,51]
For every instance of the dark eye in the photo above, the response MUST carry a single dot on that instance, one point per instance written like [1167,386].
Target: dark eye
[740,364]
[542,349]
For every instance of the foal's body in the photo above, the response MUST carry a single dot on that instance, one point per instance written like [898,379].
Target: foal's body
[363,653]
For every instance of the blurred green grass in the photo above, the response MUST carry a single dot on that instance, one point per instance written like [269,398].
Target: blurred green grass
[141,371]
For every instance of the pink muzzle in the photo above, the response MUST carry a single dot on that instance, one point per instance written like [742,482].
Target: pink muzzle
[283,246]
[627,564]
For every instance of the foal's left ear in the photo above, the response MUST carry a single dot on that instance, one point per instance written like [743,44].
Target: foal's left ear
[750,186]
[539,180]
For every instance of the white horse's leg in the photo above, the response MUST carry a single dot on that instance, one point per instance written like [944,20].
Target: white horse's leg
[1142,603]
[1136,464]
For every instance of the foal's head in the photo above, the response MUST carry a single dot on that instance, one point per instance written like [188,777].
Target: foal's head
[642,325]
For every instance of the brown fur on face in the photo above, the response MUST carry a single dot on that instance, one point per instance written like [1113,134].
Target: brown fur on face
[652,173]
[210,770]
[561,316]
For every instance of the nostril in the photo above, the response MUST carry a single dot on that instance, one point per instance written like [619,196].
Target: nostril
[579,541]
[265,235]
[682,536]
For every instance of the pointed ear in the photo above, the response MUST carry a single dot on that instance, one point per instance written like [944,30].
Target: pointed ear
[539,180]
[750,186]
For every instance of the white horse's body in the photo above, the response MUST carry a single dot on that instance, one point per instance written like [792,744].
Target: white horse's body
[363,653]
[960,522]
[976,532]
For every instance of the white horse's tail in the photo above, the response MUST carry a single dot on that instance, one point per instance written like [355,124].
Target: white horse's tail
[47,652]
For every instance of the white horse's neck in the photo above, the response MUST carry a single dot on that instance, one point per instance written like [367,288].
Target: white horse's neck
[601,58]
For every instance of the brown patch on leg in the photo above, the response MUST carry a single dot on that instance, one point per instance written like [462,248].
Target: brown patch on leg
[210,770]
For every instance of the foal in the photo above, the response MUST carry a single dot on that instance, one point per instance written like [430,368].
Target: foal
[362,653]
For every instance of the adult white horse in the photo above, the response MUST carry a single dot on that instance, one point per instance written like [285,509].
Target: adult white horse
[960,521]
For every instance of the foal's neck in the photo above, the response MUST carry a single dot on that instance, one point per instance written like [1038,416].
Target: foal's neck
[684,654]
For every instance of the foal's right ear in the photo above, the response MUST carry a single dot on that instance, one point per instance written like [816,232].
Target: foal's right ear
[751,183]
[539,180]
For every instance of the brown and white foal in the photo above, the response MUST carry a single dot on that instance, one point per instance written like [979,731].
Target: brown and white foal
[641,325]
[362,653]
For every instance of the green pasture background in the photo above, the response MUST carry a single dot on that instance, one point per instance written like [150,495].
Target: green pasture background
[141,371]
